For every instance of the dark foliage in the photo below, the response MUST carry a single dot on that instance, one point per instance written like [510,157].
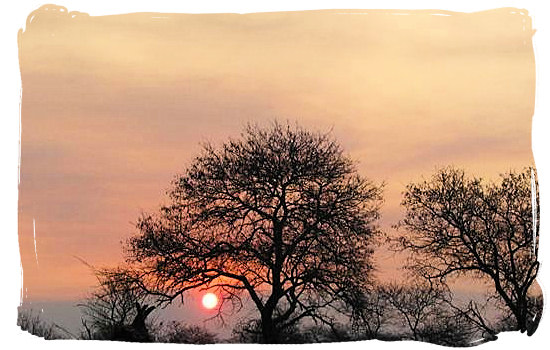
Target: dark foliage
[251,332]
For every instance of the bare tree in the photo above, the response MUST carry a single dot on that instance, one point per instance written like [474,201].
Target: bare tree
[427,311]
[417,302]
[279,215]
[452,329]
[117,309]
[457,225]
[371,312]
[475,314]
[508,322]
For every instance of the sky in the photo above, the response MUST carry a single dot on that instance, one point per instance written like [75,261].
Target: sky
[114,106]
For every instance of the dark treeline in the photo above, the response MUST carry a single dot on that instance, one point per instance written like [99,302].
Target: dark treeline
[280,219]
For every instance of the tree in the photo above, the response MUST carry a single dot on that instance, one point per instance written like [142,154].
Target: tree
[426,310]
[117,309]
[474,314]
[457,225]
[371,312]
[279,215]
[417,303]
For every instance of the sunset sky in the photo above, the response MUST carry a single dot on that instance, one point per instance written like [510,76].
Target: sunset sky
[114,106]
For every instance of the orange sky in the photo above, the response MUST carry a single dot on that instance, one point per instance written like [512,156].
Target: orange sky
[114,106]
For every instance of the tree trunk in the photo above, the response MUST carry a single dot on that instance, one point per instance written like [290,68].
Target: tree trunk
[521,317]
[269,333]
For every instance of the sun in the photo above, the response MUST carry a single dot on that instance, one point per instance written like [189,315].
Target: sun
[209,300]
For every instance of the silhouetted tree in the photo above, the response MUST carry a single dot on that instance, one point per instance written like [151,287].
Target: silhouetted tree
[474,314]
[507,321]
[416,302]
[451,329]
[427,312]
[456,225]
[371,312]
[280,215]
[117,309]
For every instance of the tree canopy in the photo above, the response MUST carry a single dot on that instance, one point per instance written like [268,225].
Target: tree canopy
[279,215]
[458,225]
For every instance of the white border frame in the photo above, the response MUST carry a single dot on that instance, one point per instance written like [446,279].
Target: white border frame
[15,15]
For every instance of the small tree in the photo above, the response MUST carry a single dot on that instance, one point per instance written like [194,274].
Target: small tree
[426,311]
[371,312]
[117,309]
[456,225]
[280,215]
[417,303]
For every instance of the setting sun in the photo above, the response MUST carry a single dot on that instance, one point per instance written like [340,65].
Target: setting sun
[209,300]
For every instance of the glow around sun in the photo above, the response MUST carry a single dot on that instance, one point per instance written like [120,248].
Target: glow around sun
[209,300]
